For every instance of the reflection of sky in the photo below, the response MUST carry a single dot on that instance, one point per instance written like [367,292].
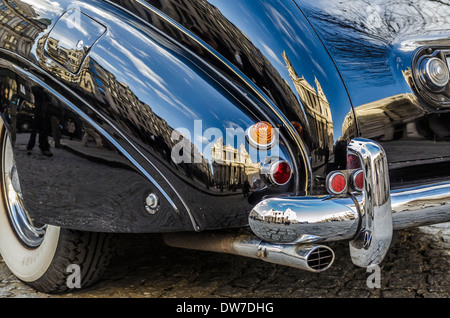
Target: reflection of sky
[245,15]
[45,8]
[160,77]
[312,210]
[75,26]
[280,28]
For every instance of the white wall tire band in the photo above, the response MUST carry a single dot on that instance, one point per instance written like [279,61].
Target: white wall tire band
[26,264]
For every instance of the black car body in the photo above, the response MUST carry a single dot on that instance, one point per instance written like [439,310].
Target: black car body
[144,110]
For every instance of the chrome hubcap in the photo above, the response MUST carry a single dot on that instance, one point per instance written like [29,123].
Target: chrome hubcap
[30,235]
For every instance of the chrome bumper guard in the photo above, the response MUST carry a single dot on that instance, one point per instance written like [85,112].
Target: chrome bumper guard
[366,219]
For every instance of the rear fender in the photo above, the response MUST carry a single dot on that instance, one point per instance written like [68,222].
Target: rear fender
[139,90]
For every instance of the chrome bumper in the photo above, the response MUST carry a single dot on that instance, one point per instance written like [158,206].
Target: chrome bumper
[366,219]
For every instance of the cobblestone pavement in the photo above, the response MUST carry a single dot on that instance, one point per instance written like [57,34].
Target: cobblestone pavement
[418,265]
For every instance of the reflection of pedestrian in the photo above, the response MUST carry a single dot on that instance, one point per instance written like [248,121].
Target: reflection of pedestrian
[40,123]
[91,132]
[56,131]
[246,188]
[13,111]
[71,128]
[234,186]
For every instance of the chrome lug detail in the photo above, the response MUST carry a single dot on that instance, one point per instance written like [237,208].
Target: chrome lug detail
[152,203]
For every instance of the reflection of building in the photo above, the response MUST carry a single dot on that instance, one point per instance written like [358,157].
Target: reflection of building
[119,101]
[287,217]
[290,217]
[208,22]
[317,110]
[349,127]
[232,166]
[389,118]
[70,58]
[19,31]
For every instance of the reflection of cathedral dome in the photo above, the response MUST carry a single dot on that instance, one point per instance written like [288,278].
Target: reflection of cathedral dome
[288,216]
[231,165]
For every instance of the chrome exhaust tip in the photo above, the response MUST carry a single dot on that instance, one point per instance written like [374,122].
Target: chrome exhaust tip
[320,258]
[312,258]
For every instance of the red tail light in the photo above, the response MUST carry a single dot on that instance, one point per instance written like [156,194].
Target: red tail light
[353,162]
[358,180]
[280,172]
[336,182]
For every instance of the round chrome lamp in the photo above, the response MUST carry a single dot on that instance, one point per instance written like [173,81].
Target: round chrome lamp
[434,73]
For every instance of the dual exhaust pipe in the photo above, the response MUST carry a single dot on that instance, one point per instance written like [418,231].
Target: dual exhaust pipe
[312,258]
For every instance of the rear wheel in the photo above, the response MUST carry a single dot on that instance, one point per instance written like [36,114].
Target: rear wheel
[48,258]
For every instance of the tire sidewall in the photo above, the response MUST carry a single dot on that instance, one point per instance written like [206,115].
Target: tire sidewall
[25,263]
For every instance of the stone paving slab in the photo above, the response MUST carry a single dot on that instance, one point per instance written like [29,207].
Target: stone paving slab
[418,266]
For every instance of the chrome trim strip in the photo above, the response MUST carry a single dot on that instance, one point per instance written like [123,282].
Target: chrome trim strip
[422,205]
[332,218]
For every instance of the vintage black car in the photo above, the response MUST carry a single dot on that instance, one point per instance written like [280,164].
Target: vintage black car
[262,128]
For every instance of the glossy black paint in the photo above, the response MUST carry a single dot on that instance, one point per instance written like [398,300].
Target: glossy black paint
[119,89]
[270,45]
[85,184]
[132,75]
